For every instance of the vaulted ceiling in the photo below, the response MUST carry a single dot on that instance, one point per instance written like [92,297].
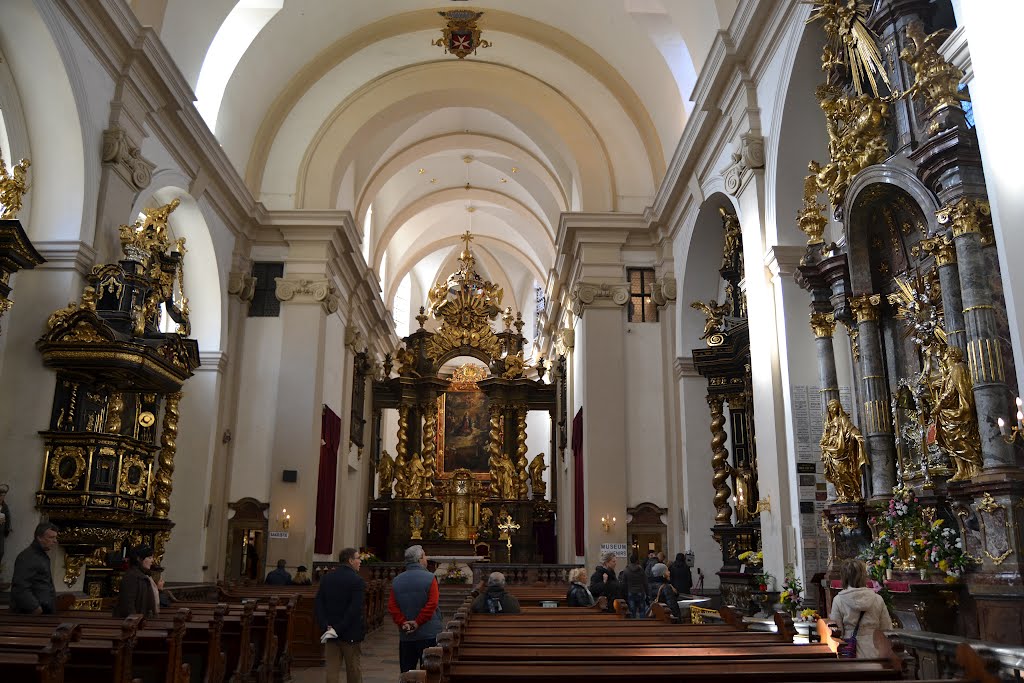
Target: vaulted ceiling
[347,104]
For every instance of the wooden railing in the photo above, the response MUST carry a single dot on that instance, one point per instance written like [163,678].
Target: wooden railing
[934,655]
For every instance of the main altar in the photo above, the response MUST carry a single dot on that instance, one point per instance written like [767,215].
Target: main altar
[461,481]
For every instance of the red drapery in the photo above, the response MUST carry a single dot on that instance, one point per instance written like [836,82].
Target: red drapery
[327,481]
[577,465]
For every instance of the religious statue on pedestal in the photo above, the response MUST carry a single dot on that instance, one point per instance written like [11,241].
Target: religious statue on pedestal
[537,468]
[842,453]
[503,478]
[416,478]
[956,425]
[385,474]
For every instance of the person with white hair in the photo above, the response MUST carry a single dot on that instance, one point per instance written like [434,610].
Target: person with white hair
[663,591]
[496,600]
[414,608]
[578,594]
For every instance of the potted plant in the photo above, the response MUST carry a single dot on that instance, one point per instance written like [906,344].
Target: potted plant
[764,581]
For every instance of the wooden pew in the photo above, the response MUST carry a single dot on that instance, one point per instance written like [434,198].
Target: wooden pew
[37,660]
[271,630]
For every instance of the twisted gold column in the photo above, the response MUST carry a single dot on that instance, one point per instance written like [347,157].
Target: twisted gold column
[494,450]
[719,463]
[114,408]
[521,462]
[168,447]
[429,446]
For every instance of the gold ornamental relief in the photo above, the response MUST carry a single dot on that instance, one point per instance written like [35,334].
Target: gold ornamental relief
[134,476]
[67,465]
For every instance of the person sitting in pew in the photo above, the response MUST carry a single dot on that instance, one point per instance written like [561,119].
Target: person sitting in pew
[32,590]
[279,576]
[859,609]
[138,594]
[301,577]
[604,582]
[579,595]
[663,591]
[496,600]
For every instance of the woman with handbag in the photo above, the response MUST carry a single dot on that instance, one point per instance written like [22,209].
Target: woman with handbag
[859,611]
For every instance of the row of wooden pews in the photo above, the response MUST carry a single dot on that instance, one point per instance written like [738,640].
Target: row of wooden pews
[569,644]
[192,642]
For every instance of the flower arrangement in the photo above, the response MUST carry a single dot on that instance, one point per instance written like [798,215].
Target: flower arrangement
[809,614]
[368,557]
[907,536]
[791,598]
[454,575]
[765,581]
[751,557]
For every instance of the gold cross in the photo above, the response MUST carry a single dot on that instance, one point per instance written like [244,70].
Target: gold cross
[467,238]
[505,527]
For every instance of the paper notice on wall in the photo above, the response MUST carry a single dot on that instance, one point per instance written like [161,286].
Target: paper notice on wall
[618,548]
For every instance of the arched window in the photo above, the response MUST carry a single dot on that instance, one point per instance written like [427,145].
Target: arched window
[400,308]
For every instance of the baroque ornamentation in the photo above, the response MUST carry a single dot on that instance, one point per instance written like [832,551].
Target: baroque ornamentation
[301,290]
[13,184]
[168,448]
[461,36]
[865,307]
[936,81]
[67,467]
[242,285]
[125,155]
[810,218]
[664,290]
[714,324]
[823,324]
[720,463]
[966,216]
[843,453]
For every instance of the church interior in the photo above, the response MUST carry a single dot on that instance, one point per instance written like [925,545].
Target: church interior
[530,284]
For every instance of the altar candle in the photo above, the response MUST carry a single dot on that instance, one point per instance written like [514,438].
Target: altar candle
[1020,420]
[1002,425]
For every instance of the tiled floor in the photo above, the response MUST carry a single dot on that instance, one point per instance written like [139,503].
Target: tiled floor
[379,660]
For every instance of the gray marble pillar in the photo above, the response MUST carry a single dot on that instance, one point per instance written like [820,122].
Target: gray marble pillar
[944,251]
[966,217]
[877,423]
[824,326]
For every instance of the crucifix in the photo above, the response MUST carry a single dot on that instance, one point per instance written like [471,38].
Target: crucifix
[506,527]
[467,238]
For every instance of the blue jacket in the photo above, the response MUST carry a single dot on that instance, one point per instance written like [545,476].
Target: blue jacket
[410,590]
[339,603]
[278,577]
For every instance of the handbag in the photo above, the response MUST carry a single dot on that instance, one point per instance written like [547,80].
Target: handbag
[848,648]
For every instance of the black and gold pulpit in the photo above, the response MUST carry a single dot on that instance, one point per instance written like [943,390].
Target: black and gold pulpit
[110,444]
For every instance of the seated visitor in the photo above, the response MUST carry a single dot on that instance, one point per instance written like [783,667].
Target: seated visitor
[496,600]
[857,603]
[301,577]
[579,595]
[139,594]
[663,591]
[279,577]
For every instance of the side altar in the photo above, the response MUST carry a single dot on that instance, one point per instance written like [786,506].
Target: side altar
[461,469]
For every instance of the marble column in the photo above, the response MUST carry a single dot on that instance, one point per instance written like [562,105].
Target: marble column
[944,251]
[877,424]
[824,326]
[967,217]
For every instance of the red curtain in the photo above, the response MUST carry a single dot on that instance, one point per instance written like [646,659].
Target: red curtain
[577,465]
[326,485]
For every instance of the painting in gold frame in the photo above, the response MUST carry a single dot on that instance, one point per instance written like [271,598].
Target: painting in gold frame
[465,432]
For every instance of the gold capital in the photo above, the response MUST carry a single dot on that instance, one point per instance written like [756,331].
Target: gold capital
[865,307]
[942,248]
[967,215]
[823,324]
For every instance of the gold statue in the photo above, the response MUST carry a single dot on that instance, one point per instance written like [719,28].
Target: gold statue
[852,46]
[936,81]
[401,480]
[406,362]
[956,423]
[503,477]
[715,314]
[385,474]
[486,515]
[537,468]
[733,245]
[437,522]
[513,366]
[856,131]
[809,218]
[13,185]
[415,477]
[522,472]
[842,453]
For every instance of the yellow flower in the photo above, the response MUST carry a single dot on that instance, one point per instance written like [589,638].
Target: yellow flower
[890,550]
[936,524]
[951,579]
[943,565]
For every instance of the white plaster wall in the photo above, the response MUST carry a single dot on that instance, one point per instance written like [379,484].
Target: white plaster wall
[538,440]
[254,433]
[698,506]
[645,417]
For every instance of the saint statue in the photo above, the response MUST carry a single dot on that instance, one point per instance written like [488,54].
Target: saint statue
[437,523]
[842,453]
[484,530]
[12,186]
[503,478]
[416,478]
[956,423]
[521,475]
[385,474]
[537,468]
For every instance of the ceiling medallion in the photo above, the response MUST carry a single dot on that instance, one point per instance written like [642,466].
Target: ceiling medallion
[461,36]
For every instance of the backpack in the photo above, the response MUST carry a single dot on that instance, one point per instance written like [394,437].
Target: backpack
[848,648]
[493,603]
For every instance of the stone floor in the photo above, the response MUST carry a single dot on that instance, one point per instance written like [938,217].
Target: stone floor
[379,660]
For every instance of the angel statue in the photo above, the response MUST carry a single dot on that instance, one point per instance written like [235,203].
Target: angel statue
[537,468]
[12,187]
[842,453]
[936,81]
[715,314]
[514,364]
[956,424]
[386,474]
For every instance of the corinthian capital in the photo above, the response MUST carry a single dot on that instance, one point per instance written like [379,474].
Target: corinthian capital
[865,307]
[598,294]
[302,291]
[823,324]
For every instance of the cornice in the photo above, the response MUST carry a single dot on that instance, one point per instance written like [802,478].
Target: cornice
[66,255]
[212,361]
[782,260]
[956,50]
[683,367]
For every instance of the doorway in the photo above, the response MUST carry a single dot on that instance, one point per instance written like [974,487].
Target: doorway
[246,559]
[646,530]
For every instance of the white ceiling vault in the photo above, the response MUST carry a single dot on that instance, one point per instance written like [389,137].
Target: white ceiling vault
[346,104]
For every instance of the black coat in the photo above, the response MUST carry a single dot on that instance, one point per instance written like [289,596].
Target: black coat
[682,580]
[634,580]
[663,592]
[339,603]
[577,596]
[136,595]
[508,603]
[278,577]
[610,588]
[32,584]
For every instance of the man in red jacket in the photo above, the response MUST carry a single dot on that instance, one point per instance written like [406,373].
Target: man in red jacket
[413,607]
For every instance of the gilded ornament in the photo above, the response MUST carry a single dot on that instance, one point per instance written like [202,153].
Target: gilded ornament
[168,448]
[847,522]
[67,466]
[13,185]
[149,234]
[133,479]
[514,364]
[936,81]
[465,377]
[851,47]
[415,478]
[147,419]
[843,453]
[823,324]
[429,451]
[537,483]
[968,215]
[385,474]
[714,313]
[865,307]
[416,522]
[720,463]
[809,218]
[988,503]
[941,247]
[732,247]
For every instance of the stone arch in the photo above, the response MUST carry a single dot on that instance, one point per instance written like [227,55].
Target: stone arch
[702,245]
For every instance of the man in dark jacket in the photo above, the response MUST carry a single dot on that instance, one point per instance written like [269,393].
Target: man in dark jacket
[496,599]
[634,585]
[32,590]
[682,580]
[280,576]
[339,610]
[603,581]
[413,608]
